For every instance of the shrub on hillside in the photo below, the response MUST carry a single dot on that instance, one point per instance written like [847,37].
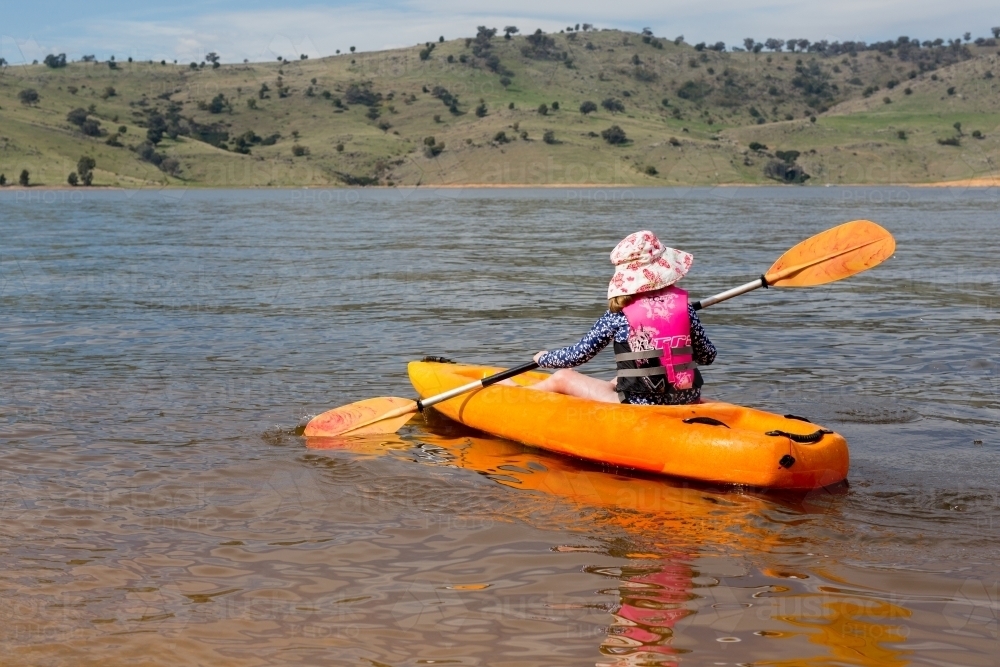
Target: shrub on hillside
[28,96]
[780,170]
[85,169]
[91,127]
[77,116]
[693,90]
[299,151]
[614,135]
[613,105]
[54,61]
[587,107]
[362,94]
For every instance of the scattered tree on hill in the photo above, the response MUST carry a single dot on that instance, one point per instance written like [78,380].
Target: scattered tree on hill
[91,127]
[613,105]
[213,58]
[54,61]
[773,44]
[28,96]
[748,43]
[510,30]
[362,94]
[3,180]
[72,179]
[543,109]
[300,151]
[109,91]
[432,148]
[693,90]
[481,110]
[505,81]
[614,135]
[25,178]
[219,104]
[542,47]
[155,128]
[785,172]
[587,107]
[549,137]
[77,116]
[85,168]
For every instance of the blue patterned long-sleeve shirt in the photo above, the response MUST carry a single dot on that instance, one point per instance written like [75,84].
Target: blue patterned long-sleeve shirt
[614,327]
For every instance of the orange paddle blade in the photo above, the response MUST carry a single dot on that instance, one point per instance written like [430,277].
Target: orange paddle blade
[831,255]
[371,416]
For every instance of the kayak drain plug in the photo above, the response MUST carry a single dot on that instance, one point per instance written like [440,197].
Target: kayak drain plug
[787,461]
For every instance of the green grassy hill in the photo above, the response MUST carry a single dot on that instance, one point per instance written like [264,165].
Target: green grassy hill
[690,117]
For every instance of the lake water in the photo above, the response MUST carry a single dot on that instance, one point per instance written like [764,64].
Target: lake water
[158,349]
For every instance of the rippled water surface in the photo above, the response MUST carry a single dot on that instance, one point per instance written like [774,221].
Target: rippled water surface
[156,507]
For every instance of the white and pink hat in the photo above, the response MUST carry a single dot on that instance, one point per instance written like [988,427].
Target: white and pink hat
[643,264]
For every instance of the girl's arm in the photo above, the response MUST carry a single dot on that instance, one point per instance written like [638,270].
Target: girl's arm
[602,333]
[704,351]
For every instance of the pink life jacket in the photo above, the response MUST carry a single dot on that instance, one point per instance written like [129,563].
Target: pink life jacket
[659,344]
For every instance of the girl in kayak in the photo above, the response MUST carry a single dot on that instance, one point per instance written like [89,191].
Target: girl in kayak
[658,339]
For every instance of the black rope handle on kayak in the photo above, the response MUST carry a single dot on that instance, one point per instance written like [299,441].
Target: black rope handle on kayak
[710,421]
[804,439]
[801,419]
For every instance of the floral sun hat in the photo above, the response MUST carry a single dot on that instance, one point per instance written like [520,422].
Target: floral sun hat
[643,264]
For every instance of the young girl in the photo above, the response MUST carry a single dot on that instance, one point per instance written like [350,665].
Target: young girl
[658,339]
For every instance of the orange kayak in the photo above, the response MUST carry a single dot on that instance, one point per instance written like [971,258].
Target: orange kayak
[710,442]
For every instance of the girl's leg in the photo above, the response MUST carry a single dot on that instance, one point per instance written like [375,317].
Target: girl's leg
[571,383]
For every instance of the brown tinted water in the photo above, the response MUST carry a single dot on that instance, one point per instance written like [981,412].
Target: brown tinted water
[156,506]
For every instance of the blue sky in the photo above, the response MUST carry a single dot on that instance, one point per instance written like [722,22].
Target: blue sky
[259,30]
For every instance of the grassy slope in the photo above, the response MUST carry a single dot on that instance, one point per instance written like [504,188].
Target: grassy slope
[855,141]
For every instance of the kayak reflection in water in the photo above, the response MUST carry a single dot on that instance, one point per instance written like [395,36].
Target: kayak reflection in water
[658,338]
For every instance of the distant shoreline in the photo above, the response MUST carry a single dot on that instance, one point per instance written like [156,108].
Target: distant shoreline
[984,182]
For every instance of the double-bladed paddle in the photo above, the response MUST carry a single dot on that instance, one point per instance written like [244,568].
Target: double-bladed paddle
[835,254]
